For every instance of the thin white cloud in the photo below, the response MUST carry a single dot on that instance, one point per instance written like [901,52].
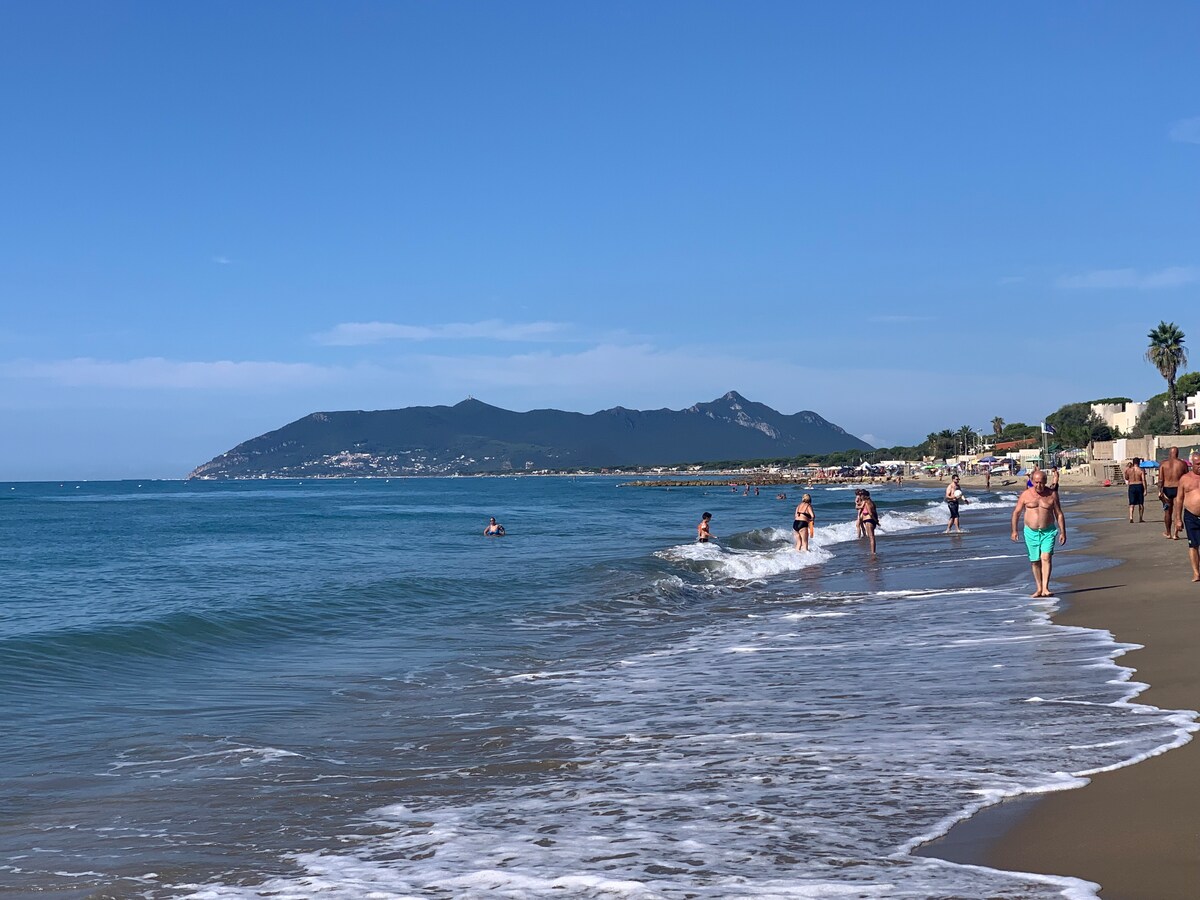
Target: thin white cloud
[353,334]
[1186,131]
[157,373]
[222,260]
[1131,279]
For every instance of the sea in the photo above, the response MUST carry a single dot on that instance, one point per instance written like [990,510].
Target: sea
[343,689]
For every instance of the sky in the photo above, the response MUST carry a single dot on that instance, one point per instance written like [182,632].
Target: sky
[220,217]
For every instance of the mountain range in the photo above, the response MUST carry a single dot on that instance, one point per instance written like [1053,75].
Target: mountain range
[473,437]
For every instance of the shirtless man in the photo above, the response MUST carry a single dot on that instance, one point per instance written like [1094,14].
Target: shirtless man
[703,535]
[1135,478]
[954,496]
[1043,522]
[1187,512]
[1173,468]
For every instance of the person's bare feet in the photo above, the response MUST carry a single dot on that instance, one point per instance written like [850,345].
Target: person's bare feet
[1195,579]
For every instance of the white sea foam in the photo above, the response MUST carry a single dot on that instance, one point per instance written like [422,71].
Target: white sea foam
[717,561]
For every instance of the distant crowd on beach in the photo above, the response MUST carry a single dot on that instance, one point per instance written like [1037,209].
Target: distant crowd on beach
[1038,509]
[1179,494]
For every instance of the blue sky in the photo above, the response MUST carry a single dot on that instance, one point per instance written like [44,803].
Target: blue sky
[221,217]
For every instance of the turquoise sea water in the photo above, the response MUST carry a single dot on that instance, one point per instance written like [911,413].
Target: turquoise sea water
[337,688]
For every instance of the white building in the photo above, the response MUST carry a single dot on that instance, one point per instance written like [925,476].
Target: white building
[1191,411]
[1120,415]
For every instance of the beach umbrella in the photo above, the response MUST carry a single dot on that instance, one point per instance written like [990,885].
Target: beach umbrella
[988,459]
[1149,464]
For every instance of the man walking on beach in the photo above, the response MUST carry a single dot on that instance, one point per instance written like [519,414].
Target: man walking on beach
[1044,522]
[1187,513]
[1173,468]
[1135,478]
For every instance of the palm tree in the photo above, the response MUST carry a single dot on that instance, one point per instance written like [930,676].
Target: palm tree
[966,434]
[998,426]
[1166,354]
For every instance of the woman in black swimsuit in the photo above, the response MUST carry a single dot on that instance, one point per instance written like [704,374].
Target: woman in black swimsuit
[868,518]
[803,523]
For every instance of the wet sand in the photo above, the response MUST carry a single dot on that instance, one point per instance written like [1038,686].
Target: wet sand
[1134,831]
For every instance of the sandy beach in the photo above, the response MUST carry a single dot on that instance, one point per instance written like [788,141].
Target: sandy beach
[1135,831]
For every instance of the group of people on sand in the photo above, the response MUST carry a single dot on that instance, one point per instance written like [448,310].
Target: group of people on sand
[1179,493]
[1170,472]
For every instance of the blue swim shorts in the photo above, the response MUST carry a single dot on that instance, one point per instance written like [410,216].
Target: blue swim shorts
[1040,541]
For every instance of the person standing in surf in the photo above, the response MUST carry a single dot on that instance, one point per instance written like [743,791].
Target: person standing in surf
[858,505]
[703,535]
[868,518]
[493,529]
[1044,521]
[804,522]
[954,496]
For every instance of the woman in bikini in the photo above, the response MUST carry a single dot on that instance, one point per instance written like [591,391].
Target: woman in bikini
[868,518]
[803,522]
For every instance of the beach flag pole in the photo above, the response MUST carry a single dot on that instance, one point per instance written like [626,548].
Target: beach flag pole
[1046,430]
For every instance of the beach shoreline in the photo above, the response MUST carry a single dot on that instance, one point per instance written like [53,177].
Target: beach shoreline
[1134,830]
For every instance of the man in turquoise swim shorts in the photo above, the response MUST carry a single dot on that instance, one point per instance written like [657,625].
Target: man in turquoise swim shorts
[1044,522]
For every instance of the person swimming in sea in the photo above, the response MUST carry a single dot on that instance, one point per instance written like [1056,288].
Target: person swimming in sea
[493,529]
[703,535]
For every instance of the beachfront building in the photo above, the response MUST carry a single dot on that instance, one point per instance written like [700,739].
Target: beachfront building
[1121,415]
[1191,410]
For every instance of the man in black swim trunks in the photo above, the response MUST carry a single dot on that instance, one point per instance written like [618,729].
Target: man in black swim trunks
[954,496]
[1187,513]
[1135,478]
[1173,468]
